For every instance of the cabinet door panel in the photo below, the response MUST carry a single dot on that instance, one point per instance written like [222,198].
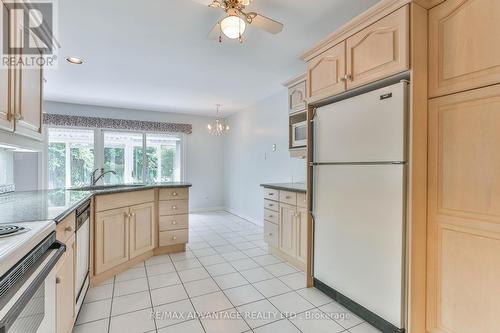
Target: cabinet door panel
[65,291]
[464,212]
[297,97]
[464,45]
[286,230]
[112,239]
[302,235]
[30,99]
[325,74]
[6,119]
[142,229]
[380,50]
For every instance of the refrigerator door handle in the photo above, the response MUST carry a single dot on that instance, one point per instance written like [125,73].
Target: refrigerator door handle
[313,225]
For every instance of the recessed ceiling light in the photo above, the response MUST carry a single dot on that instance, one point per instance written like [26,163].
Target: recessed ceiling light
[74,60]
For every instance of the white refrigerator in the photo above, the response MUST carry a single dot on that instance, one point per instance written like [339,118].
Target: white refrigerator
[359,199]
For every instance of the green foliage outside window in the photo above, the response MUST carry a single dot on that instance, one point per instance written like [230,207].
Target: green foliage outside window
[57,165]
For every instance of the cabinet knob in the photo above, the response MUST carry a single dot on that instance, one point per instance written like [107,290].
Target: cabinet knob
[270,215]
[133,214]
[18,116]
[174,194]
[174,207]
[270,234]
[58,280]
[288,197]
[174,238]
[68,229]
[271,205]
[348,77]
[126,214]
[174,222]
[271,193]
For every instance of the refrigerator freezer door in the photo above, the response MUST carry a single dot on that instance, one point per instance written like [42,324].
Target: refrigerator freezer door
[366,128]
[358,234]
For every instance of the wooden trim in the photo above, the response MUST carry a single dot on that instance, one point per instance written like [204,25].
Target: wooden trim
[375,13]
[170,249]
[310,244]
[293,81]
[417,186]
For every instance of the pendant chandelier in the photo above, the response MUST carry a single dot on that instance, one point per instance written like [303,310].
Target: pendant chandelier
[218,127]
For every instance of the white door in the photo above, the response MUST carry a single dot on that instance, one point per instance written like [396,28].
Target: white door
[358,234]
[366,128]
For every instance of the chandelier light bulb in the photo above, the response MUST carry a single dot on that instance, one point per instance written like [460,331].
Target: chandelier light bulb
[233,26]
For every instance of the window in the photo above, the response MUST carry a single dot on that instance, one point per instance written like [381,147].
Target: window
[70,155]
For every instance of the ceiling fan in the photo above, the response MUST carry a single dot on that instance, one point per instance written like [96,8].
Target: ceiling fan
[234,23]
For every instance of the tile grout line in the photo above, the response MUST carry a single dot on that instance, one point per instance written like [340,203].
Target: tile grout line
[150,297]
[111,307]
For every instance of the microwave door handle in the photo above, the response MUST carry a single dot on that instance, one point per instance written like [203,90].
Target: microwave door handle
[9,315]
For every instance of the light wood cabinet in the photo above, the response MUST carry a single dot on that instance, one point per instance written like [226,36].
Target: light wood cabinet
[297,97]
[287,233]
[29,102]
[142,229]
[464,45]
[6,118]
[111,239]
[464,212]
[326,74]
[301,225]
[380,50]
[65,290]
[285,227]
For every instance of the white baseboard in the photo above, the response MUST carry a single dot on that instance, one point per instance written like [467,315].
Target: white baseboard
[243,216]
[207,209]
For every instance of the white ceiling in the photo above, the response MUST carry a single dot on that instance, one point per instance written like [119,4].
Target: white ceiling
[154,54]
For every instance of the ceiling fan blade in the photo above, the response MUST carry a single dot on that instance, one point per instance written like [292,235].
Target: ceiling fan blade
[215,32]
[207,3]
[265,23]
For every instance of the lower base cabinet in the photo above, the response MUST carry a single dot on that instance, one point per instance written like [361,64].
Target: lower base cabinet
[111,239]
[285,225]
[142,229]
[65,297]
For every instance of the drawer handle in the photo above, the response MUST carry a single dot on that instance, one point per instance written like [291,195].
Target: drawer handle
[174,222]
[174,207]
[271,205]
[288,197]
[270,234]
[271,193]
[133,214]
[174,238]
[68,229]
[270,216]
[58,280]
[174,194]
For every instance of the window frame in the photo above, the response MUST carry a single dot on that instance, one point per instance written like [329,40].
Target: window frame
[99,149]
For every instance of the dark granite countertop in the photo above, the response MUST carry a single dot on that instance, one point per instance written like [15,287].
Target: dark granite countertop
[292,187]
[27,206]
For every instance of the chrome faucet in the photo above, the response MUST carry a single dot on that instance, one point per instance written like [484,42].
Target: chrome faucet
[94,180]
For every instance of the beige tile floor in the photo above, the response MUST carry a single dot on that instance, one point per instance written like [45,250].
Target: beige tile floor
[224,283]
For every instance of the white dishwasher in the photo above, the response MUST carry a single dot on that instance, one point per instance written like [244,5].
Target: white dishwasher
[82,279]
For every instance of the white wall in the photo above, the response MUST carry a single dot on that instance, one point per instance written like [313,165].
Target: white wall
[204,156]
[249,159]
[26,171]
[6,167]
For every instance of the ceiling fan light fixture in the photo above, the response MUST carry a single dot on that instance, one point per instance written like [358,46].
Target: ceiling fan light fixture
[233,26]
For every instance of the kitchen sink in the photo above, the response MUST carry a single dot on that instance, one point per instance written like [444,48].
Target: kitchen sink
[104,187]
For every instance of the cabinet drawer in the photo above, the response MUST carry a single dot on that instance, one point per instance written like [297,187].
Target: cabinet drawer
[173,193]
[271,194]
[173,222]
[173,207]
[271,234]
[66,228]
[271,205]
[302,200]
[288,198]
[173,237]
[271,216]
[125,199]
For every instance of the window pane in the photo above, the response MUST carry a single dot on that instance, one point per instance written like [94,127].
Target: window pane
[163,156]
[123,154]
[70,157]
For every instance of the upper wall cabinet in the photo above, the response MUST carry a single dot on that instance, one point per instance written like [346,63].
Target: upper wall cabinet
[377,51]
[297,97]
[380,50]
[464,45]
[326,73]
[21,93]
